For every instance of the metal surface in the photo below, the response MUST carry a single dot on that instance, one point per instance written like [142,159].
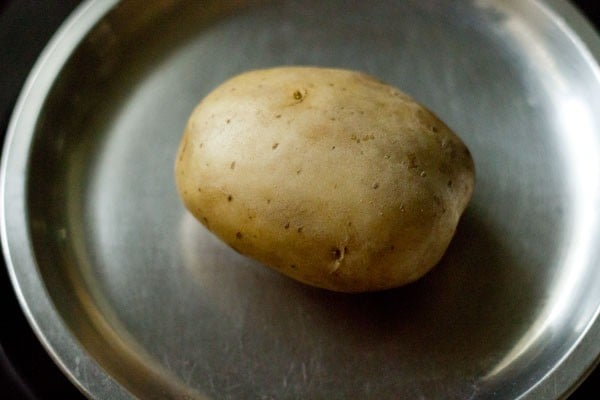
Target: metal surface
[133,298]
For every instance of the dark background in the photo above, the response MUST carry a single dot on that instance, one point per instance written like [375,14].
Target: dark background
[26,370]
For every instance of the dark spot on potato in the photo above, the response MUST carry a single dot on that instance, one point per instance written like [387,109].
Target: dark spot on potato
[300,229]
[278,116]
[332,147]
[376,185]
[336,253]
[205,220]
[201,145]
[287,225]
[332,119]
[293,266]
[275,145]
[412,160]
[423,174]
[229,198]
[343,89]
[434,129]
[349,223]
[298,171]
[392,248]
[268,201]
[239,235]
[232,166]
[449,184]
[331,84]
[228,120]
[199,190]
[297,95]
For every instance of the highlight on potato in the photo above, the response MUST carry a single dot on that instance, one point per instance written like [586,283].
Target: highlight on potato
[328,176]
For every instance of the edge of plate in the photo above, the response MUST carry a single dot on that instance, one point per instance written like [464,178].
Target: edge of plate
[584,356]
[42,76]
[571,369]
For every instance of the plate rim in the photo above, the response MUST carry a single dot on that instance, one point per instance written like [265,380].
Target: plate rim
[61,344]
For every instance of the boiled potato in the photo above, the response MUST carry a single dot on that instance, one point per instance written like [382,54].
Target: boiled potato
[328,176]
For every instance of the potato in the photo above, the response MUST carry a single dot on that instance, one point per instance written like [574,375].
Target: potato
[328,176]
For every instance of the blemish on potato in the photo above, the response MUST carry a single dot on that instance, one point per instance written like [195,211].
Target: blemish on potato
[239,235]
[199,190]
[275,145]
[449,184]
[336,253]
[412,160]
[268,201]
[376,185]
[287,225]
[298,171]
[278,116]
[297,95]
[232,165]
[392,248]
[228,120]
[293,266]
[300,229]
[332,147]
[423,174]
[229,198]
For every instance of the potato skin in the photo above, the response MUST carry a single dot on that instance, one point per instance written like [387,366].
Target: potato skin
[329,176]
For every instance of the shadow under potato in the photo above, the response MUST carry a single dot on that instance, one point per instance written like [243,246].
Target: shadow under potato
[465,314]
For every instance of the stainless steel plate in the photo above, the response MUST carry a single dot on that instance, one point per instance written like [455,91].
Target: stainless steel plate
[133,298]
